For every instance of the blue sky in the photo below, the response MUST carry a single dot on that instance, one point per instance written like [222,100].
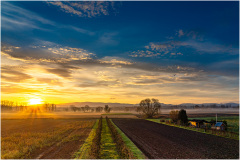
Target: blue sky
[182,51]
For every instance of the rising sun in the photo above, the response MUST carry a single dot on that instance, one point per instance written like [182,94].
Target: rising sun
[35,101]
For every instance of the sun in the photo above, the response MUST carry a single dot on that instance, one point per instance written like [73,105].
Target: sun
[34,101]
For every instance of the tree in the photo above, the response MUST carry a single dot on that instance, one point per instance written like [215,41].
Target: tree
[83,109]
[182,116]
[87,107]
[174,115]
[99,109]
[139,109]
[150,107]
[73,108]
[107,109]
[6,105]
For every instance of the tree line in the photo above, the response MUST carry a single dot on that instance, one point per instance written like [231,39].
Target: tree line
[23,106]
[87,108]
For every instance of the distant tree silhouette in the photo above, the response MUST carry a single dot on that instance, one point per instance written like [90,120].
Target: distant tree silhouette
[150,107]
[99,109]
[87,107]
[139,109]
[73,108]
[83,109]
[107,109]
[6,105]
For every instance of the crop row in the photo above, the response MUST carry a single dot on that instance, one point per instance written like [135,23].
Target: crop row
[123,150]
[96,143]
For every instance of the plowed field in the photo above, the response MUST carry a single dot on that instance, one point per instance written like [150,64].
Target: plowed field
[158,141]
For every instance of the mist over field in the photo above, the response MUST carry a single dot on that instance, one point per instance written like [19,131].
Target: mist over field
[119,80]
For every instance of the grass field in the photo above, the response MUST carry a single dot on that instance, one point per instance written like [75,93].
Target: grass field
[22,138]
[232,121]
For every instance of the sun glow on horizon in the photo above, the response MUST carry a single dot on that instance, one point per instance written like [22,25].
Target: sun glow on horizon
[34,101]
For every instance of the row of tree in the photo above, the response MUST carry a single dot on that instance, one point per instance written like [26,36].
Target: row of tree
[11,105]
[22,106]
[87,108]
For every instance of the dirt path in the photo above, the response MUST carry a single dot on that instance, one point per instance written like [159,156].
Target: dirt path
[158,141]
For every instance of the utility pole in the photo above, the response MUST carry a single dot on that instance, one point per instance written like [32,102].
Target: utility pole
[216,117]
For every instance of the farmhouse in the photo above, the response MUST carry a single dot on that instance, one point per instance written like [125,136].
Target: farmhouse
[219,126]
[197,123]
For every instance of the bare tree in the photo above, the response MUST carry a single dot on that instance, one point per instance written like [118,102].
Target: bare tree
[107,109]
[87,107]
[73,108]
[99,109]
[150,107]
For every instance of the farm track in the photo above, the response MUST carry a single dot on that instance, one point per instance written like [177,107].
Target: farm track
[158,141]
[63,150]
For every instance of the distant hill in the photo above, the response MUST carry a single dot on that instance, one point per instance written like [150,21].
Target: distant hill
[96,104]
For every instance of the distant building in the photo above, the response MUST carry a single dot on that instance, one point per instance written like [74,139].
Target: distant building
[197,123]
[219,126]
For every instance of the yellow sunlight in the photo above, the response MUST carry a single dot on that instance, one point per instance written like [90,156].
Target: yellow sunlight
[34,101]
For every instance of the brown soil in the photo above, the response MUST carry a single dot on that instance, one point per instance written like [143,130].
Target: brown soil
[64,150]
[158,141]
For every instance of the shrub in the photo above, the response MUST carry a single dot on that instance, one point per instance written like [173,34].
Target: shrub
[182,116]
[174,116]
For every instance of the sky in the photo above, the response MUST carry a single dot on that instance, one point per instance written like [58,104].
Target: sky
[63,52]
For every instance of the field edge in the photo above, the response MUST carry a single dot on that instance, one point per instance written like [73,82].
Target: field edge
[133,148]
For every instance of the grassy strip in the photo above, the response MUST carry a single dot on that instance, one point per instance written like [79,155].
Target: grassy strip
[133,148]
[124,151]
[108,147]
[96,143]
[191,129]
[85,149]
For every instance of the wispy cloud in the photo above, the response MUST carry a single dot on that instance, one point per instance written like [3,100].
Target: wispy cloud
[14,16]
[157,50]
[85,9]
[108,38]
[189,41]
[47,52]
[80,30]
[115,60]
[180,33]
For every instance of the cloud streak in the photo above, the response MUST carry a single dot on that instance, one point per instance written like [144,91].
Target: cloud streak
[85,9]
[184,41]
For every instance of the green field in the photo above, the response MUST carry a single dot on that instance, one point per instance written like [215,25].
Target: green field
[232,122]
